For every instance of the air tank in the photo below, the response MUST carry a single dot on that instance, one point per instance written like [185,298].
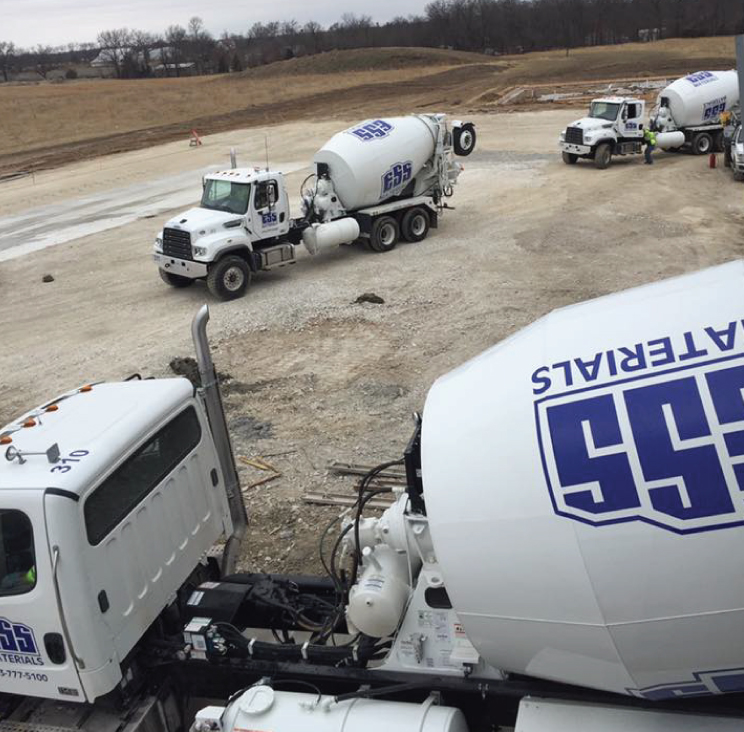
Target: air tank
[584,484]
[700,98]
[376,159]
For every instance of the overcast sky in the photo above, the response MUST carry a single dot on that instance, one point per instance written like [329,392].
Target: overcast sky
[58,22]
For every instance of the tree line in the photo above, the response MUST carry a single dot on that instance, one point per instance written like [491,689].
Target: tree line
[485,26]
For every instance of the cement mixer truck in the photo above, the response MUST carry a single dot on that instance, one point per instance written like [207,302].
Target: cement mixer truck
[565,553]
[380,180]
[687,114]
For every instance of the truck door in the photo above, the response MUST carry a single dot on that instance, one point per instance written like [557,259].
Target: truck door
[35,657]
[270,214]
[631,120]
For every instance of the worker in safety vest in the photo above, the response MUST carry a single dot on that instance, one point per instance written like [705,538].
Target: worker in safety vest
[649,137]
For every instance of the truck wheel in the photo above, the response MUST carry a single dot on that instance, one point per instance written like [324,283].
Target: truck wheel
[415,224]
[702,143]
[464,140]
[738,176]
[603,156]
[175,280]
[570,158]
[719,142]
[385,233]
[228,279]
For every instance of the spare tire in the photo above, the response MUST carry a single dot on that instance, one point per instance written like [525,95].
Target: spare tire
[463,139]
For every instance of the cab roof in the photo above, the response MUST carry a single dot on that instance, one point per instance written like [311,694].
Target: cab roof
[242,175]
[615,100]
[104,420]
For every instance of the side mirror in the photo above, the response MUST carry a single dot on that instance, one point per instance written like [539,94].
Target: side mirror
[272,195]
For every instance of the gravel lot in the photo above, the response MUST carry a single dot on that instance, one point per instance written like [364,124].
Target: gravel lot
[313,374]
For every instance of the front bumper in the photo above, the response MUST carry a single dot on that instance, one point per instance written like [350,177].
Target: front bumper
[181,267]
[569,147]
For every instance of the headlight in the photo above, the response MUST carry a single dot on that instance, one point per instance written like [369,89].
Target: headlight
[158,243]
[563,136]
[200,251]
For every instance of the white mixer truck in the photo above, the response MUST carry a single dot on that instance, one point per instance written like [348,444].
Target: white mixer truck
[380,180]
[566,554]
[687,113]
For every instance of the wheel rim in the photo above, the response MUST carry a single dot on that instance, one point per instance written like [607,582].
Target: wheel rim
[418,225]
[233,278]
[704,144]
[466,140]
[387,234]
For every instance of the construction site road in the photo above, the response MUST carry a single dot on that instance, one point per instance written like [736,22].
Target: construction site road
[311,375]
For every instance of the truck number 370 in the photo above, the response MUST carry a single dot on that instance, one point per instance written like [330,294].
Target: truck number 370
[65,464]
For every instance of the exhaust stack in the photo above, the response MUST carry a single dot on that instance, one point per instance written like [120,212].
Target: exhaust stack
[218,424]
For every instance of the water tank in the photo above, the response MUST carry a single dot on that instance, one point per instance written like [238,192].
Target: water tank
[263,708]
[700,98]
[377,159]
[584,482]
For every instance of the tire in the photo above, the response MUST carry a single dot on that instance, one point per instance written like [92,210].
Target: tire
[229,277]
[603,156]
[414,225]
[175,280]
[570,158]
[702,144]
[385,234]
[738,177]
[464,139]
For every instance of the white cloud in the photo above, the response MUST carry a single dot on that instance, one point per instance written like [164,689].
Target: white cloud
[57,22]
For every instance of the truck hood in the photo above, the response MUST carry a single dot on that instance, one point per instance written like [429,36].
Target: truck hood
[592,123]
[201,221]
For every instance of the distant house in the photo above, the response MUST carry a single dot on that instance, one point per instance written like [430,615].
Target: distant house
[168,69]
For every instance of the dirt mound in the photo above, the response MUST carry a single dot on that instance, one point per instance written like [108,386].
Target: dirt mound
[364,59]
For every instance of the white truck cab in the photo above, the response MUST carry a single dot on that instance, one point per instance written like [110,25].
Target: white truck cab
[111,497]
[614,126]
[240,226]
[735,152]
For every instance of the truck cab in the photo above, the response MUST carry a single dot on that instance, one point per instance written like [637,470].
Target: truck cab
[240,226]
[734,151]
[614,126]
[110,496]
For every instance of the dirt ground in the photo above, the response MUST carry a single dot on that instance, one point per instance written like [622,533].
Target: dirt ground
[49,124]
[314,376]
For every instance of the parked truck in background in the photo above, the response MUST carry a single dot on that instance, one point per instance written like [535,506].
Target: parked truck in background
[381,180]
[694,104]
[570,530]
[687,114]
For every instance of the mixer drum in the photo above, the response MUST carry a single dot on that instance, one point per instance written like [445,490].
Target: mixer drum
[583,481]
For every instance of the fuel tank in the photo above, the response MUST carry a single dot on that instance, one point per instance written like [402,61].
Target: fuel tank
[583,481]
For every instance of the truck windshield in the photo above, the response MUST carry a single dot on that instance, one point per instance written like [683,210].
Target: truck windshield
[17,559]
[604,110]
[226,195]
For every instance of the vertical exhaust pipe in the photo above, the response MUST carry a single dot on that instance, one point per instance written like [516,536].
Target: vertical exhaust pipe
[233,158]
[221,436]
[740,70]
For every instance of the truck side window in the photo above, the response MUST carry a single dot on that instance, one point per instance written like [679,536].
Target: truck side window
[140,474]
[17,558]
[266,193]
[632,111]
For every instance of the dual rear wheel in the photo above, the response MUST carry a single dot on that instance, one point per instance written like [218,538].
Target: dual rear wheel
[387,230]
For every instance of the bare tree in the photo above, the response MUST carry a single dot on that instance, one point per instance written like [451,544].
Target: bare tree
[142,45]
[175,37]
[7,54]
[115,47]
[43,56]
[312,32]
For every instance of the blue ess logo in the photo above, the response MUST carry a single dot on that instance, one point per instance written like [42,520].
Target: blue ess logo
[701,78]
[268,219]
[17,638]
[666,449]
[396,177]
[374,130]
